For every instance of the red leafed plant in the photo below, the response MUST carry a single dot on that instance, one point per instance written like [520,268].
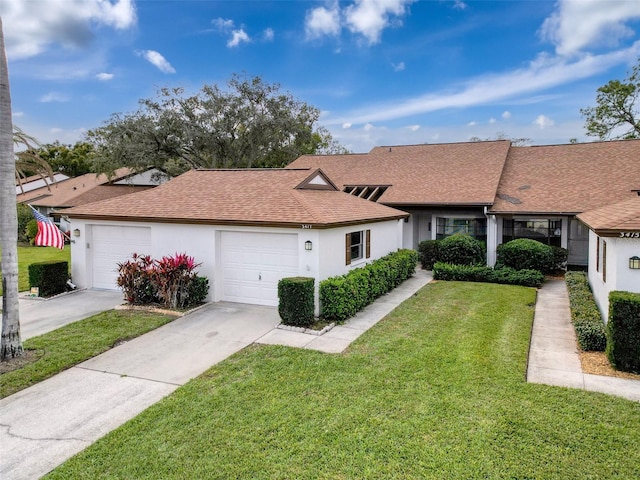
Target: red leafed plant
[172,277]
[135,280]
[171,281]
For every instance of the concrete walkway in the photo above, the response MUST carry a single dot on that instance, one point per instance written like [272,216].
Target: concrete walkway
[553,352]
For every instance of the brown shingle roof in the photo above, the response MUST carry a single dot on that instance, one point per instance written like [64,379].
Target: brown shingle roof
[620,217]
[568,178]
[438,174]
[247,197]
[70,192]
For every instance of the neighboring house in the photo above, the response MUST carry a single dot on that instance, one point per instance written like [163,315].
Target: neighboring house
[36,181]
[248,229]
[614,250]
[491,190]
[86,189]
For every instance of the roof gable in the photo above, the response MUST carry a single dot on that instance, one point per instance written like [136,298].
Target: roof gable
[317,181]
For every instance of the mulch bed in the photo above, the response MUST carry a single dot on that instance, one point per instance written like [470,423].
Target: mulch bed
[597,363]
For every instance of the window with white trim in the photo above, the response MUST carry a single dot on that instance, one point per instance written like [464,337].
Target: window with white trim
[357,245]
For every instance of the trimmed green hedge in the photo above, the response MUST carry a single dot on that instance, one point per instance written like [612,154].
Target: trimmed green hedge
[524,253]
[343,296]
[461,249]
[50,277]
[428,251]
[478,273]
[623,331]
[585,315]
[296,301]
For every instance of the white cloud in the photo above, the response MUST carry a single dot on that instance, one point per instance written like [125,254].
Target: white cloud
[577,25]
[104,77]
[156,59]
[543,122]
[367,127]
[506,115]
[54,97]
[223,24]
[268,34]
[398,67]
[542,74]
[492,120]
[459,5]
[31,28]
[17,114]
[346,125]
[238,37]
[370,17]
[473,123]
[322,21]
[414,128]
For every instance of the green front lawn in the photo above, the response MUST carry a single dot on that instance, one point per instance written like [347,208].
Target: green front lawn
[74,343]
[436,390]
[29,255]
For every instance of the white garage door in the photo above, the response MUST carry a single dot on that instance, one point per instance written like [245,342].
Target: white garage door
[254,263]
[114,244]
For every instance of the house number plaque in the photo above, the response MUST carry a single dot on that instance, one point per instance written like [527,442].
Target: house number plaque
[306,226]
[629,234]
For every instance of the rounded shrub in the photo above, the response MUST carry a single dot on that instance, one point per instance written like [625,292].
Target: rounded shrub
[461,249]
[428,253]
[31,230]
[524,253]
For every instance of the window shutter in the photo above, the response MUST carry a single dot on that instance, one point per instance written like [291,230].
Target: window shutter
[604,261]
[368,243]
[348,248]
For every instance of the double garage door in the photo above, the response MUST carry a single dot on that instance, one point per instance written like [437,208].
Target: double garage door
[254,263]
[251,263]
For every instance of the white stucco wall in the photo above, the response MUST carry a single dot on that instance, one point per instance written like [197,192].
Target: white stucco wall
[618,274]
[326,259]
[384,239]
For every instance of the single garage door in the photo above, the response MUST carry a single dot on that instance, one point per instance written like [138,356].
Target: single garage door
[114,244]
[253,263]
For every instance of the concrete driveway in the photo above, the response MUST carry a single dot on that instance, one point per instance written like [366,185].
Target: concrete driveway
[46,424]
[38,316]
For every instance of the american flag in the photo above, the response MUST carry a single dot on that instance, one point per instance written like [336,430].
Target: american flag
[49,235]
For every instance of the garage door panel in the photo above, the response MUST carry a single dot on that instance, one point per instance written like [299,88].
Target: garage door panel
[253,264]
[112,245]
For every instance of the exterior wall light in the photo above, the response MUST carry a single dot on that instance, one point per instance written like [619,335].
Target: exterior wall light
[634,263]
[76,232]
[309,246]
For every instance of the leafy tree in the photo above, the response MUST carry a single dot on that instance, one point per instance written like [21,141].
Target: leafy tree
[10,343]
[71,160]
[617,113]
[252,124]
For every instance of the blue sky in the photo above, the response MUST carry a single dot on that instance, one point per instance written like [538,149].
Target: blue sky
[382,72]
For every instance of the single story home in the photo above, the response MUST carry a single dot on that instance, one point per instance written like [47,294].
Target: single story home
[491,190]
[614,250]
[325,214]
[70,192]
[248,228]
